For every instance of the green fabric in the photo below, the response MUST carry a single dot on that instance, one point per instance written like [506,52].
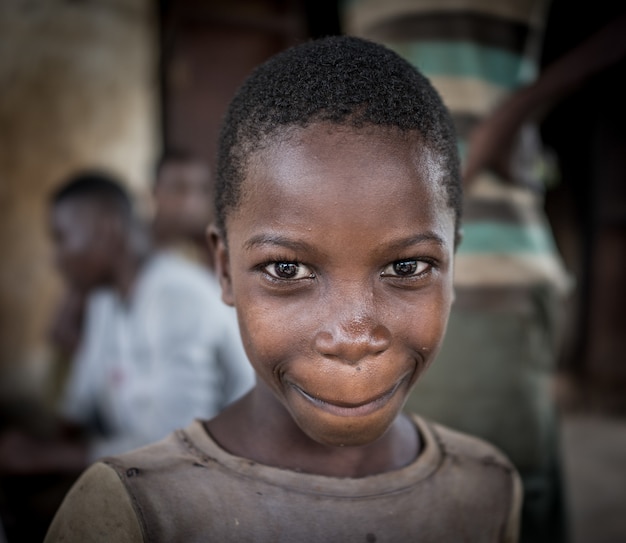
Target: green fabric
[495,237]
[464,59]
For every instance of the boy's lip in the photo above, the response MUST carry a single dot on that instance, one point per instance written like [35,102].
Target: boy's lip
[351,409]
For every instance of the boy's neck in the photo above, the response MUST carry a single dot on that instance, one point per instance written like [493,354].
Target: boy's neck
[266,433]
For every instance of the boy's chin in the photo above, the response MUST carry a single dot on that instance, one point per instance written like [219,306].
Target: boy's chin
[349,433]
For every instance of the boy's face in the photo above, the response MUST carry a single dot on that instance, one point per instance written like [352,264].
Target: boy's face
[84,241]
[339,262]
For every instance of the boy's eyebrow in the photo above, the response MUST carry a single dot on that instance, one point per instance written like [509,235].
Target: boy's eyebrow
[277,239]
[417,239]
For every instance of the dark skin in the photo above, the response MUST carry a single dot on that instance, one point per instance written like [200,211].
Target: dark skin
[67,322]
[339,261]
[92,249]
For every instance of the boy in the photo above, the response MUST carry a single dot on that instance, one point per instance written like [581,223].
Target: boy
[338,201]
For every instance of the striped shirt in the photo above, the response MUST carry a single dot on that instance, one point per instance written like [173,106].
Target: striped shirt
[476,53]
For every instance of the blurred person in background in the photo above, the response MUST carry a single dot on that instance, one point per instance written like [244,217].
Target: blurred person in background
[182,204]
[152,344]
[494,373]
[153,320]
[182,192]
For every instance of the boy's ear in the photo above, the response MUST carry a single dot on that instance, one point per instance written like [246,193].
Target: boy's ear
[217,246]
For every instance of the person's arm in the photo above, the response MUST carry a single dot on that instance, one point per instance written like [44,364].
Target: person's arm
[97,509]
[66,327]
[491,141]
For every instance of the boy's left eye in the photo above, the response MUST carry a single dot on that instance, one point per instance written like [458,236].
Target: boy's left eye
[405,268]
[288,270]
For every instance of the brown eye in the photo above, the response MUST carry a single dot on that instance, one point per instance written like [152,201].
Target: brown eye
[288,270]
[405,268]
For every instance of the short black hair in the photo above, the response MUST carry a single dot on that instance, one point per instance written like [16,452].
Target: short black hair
[96,186]
[343,80]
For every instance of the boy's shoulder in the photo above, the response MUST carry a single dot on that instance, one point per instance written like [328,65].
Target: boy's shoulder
[157,457]
[457,444]
[464,461]
[98,490]
[482,476]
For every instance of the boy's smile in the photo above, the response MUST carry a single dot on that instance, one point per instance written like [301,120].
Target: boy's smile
[339,263]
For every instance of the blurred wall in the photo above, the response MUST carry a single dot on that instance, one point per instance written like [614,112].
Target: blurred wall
[588,207]
[208,50]
[78,83]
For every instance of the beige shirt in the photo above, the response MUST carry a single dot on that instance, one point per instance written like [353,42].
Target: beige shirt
[186,488]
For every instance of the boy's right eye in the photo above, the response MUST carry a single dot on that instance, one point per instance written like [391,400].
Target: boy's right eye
[288,270]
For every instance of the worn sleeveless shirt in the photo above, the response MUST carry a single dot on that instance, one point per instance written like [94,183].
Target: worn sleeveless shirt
[186,489]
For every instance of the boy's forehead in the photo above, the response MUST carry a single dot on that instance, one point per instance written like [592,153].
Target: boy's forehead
[385,168]
[330,149]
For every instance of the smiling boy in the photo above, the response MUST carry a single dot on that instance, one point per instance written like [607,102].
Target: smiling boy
[338,215]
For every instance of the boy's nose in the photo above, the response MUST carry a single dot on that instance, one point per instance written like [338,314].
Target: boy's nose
[352,336]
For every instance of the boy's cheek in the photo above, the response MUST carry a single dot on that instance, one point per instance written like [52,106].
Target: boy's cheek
[264,345]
